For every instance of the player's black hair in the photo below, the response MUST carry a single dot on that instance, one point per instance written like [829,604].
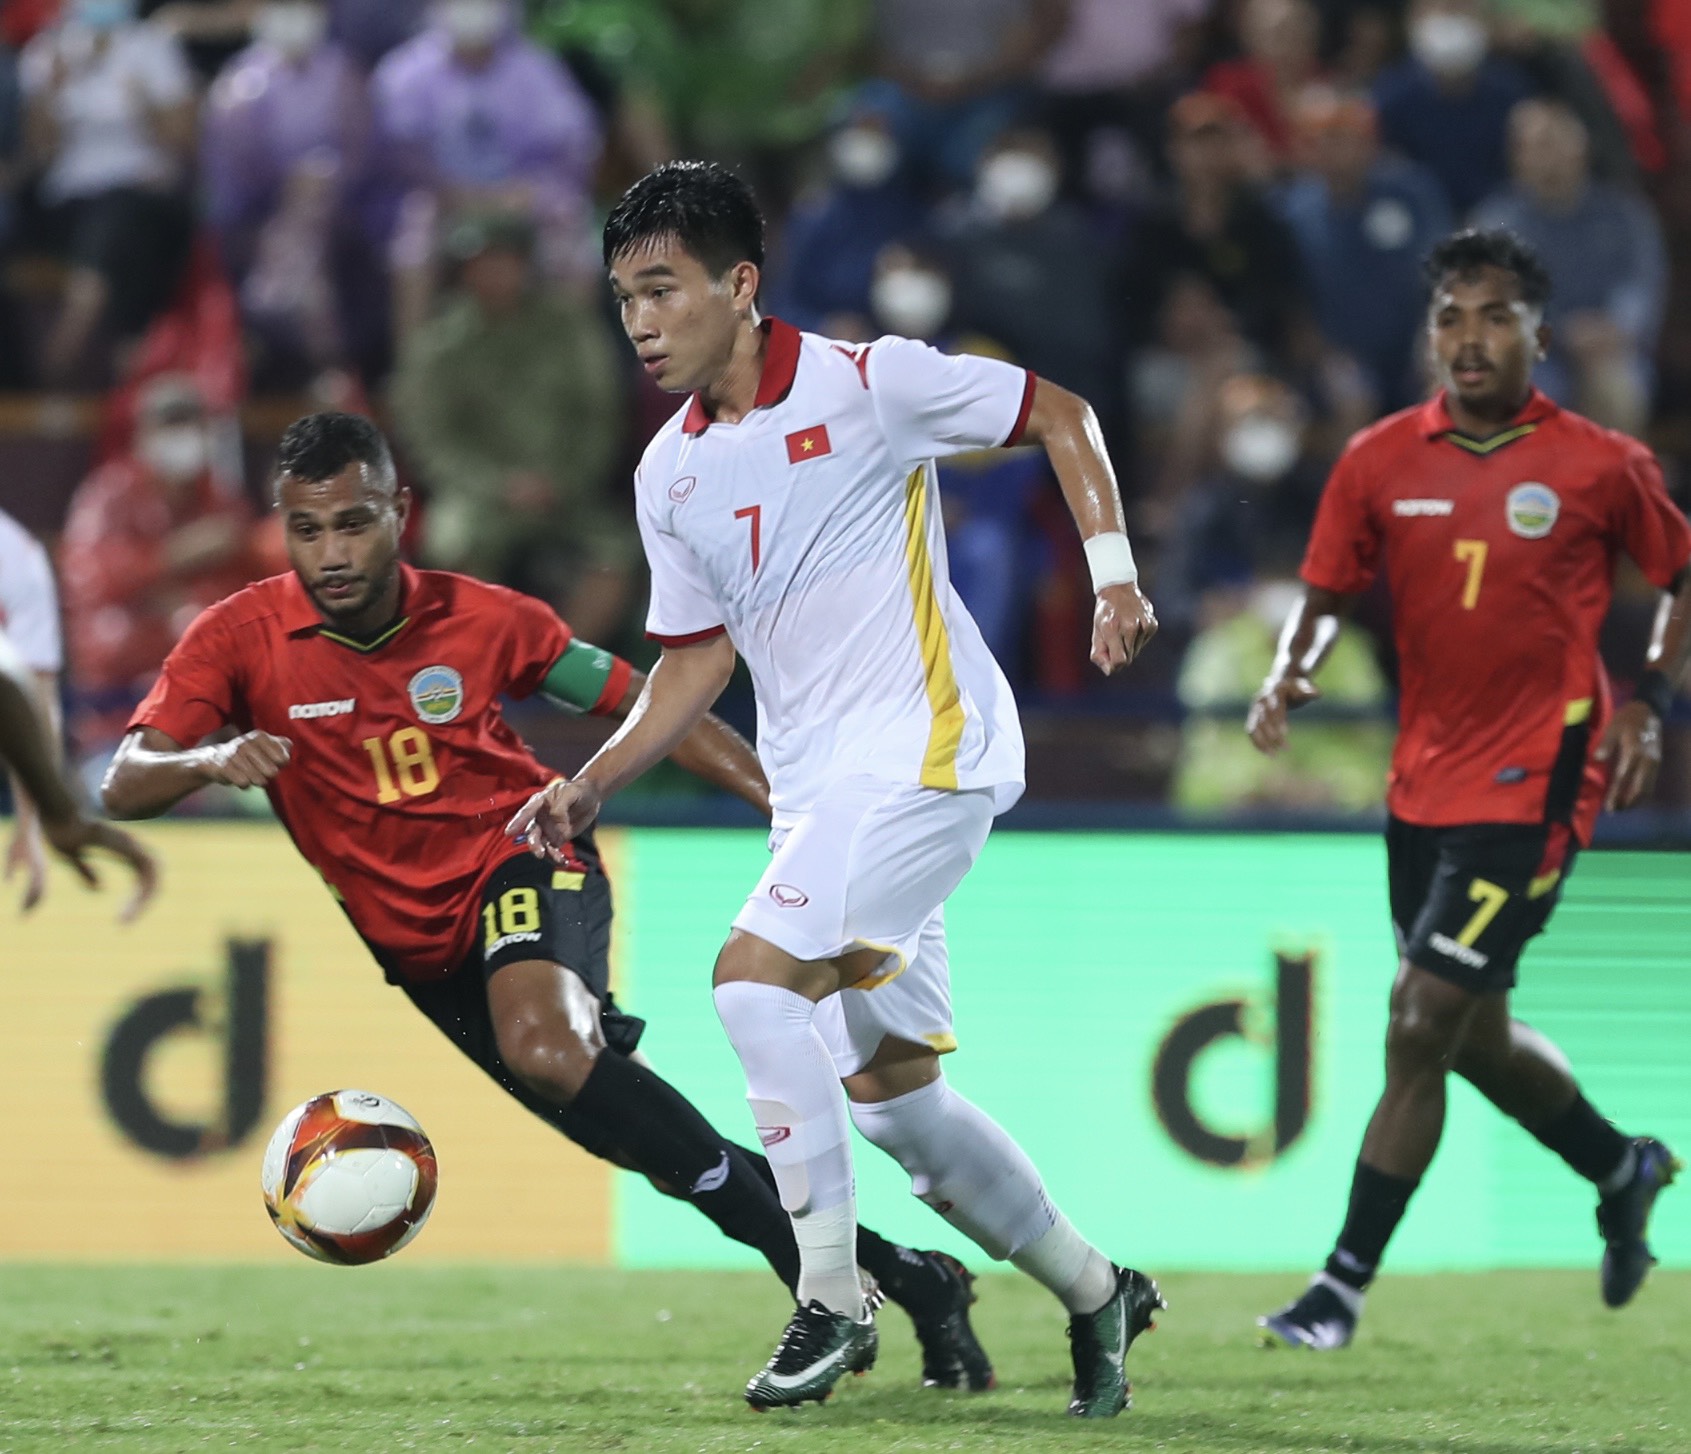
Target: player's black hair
[1465,253]
[322,445]
[705,207]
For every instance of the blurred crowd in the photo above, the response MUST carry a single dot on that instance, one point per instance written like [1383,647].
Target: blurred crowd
[1205,216]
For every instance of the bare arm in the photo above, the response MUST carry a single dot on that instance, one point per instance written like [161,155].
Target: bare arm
[1633,739]
[713,751]
[26,854]
[678,693]
[1122,620]
[152,772]
[1305,643]
[31,755]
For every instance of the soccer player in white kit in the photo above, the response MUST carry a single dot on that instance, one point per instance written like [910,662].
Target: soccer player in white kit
[790,513]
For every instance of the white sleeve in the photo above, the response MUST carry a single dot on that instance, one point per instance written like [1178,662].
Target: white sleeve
[932,404]
[683,608]
[29,602]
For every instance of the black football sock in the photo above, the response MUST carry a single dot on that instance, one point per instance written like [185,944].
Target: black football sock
[663,1134]
[1588,1143]
[1377,1203]
[906,1277]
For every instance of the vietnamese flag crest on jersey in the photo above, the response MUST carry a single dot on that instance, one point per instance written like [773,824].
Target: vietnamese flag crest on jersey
[803,444]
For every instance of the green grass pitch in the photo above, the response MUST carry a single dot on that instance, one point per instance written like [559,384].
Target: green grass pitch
[401,1358]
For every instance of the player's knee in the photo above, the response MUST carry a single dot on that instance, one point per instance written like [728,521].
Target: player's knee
[551,1060]
[1420,1039]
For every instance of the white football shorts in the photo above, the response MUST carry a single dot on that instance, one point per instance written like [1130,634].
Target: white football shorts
[871,866]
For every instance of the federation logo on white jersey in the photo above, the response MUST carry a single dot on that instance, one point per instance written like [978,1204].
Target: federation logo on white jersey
[437,694]
[1532,509]
[304,711]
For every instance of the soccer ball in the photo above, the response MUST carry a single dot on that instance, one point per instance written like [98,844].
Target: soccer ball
[349,1177]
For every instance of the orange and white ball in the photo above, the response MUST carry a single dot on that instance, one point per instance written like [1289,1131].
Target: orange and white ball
[349,1177]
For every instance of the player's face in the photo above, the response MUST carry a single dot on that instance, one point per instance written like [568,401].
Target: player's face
[343,543]
[680,318]
[1484,340]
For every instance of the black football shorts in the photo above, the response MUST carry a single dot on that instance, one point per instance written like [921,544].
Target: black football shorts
[1466,900]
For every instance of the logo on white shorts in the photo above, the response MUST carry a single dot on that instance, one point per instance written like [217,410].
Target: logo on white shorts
[773,1135]
[788,897]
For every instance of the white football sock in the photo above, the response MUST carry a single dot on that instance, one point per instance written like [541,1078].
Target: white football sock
[795,1095]
[964,1165]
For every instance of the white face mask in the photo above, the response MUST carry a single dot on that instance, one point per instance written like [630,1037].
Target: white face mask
[1016,185]
[1260,448]
[291,27]
[911,301]
[175,452]
[1449,45]
[864,156]
[473,22]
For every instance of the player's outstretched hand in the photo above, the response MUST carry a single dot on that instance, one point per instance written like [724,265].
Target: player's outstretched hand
[247,761]
[76,837]
[1266,721]
[27,855]
[1122,624]
[560,811]
[1633,746]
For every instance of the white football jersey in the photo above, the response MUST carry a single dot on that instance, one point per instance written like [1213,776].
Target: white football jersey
[810,532]
[29,603]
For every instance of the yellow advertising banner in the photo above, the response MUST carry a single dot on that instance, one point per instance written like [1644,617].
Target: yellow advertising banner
[142,1068]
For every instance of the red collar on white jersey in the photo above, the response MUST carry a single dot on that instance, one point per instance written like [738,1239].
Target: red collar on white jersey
[780,367]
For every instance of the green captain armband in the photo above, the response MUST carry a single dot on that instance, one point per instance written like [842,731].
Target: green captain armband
[587,678]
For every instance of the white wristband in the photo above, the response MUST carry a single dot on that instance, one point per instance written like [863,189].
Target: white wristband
[1110,558]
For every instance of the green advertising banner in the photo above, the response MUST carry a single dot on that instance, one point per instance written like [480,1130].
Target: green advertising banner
[1185,1033]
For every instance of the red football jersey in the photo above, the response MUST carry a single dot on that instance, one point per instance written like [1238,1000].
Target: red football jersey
[1500,555]
[404,771]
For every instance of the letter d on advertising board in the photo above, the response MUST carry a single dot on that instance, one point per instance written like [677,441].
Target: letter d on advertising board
[238,1016]
[1200,1029]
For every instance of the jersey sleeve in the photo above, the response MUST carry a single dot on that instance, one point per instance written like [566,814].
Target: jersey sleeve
[683,607]
[932,404]
[536,638]
[1344,546]
[29,604]
[1646,522]
[197,690]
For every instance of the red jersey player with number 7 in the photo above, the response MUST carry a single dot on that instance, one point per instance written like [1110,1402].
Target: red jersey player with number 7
[367,696]
[1497,518]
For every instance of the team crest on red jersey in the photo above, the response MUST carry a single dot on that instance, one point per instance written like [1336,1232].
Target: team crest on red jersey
[437,694]
[1532,509]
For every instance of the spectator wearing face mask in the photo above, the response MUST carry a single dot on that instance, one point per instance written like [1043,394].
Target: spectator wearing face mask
[284,167]
[1257,497]
[1447,104]
[1603,246]
[822,277]
[472,117]
[510,402]
[952,74]
[110,122]
[150,541]
[1281,62]
[1363,222]
[1032,273]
